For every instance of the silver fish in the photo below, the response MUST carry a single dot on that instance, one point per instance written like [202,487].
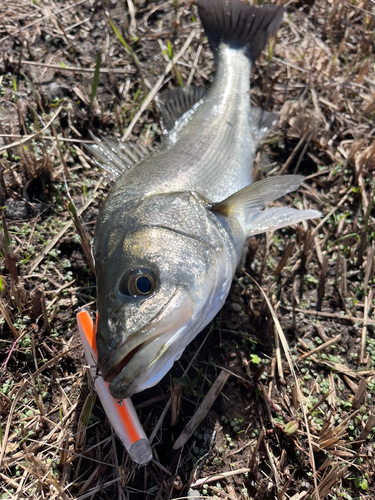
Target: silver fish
[172,230]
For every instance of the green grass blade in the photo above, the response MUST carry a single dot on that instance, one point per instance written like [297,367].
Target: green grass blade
[119,36]
[127,47]
[169,49]
[89,406]
[177,73]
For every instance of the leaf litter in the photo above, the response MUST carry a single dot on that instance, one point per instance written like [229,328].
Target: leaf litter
[96,66]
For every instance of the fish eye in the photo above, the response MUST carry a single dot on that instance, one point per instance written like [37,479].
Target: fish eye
[139,282]
[143,284]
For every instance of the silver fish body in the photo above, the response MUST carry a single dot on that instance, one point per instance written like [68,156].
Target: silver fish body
[210,150]
[171,232]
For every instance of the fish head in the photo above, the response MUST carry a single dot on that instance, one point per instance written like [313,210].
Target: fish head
[155,285]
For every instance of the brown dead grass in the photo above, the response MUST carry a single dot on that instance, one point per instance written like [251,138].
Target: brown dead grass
[254,442]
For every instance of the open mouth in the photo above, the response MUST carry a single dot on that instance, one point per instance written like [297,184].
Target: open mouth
[145,352]
[119,365]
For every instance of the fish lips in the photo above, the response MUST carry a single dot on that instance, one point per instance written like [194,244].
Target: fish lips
[137,360]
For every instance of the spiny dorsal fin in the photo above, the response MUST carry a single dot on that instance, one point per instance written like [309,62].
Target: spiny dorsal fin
[256,196]
[116,158]
[261,121]
[176,102]
[233,21]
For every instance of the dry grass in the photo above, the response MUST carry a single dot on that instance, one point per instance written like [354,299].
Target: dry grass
[267,431]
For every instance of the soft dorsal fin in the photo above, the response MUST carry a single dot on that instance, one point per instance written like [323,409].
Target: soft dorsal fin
[174,103]
[116,158]
[261,121]
[256,196]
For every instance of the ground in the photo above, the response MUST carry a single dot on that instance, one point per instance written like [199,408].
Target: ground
[300,429]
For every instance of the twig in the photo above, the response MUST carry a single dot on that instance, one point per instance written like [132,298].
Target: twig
[160,421]
[29,137]
[158,85]
[272,463]
[295,151]
[323,221]
[133,23]
[368,428]
[319,348]
[329,315]
[240,449]
[321,400]
[53,242]
[278,357]
[7,318]
[62,159]
[203,409]
[117,71]
[360,393]
[12,349]
[364,330]
[47,325]
[211,479]
[195,64]
[252,461]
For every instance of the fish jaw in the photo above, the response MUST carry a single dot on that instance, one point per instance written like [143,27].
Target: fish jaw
[155,357]
[148,354]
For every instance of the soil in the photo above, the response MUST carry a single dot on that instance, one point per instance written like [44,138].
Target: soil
[268,434]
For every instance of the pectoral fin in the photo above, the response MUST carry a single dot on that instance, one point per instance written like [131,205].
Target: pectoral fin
[257,196]
[247,205]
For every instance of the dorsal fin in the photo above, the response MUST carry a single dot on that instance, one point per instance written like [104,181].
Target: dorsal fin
[174,103]
[238,23]
[116,158]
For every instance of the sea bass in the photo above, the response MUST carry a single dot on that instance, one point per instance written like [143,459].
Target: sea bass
[171,232]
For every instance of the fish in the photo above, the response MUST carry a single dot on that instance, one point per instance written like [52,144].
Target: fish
[171,232]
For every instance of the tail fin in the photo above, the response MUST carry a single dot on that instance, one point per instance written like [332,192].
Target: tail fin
[237,23]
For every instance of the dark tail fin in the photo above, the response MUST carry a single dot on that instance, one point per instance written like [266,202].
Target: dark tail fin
[234,22]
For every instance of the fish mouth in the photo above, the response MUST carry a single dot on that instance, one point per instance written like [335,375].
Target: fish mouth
[121,363]
[142,354]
